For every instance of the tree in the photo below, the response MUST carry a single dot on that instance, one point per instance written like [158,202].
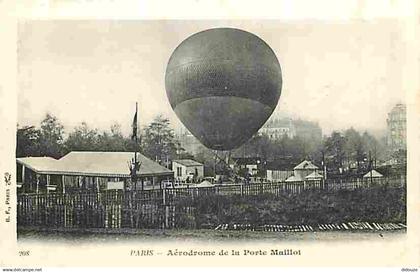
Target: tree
[296,148]
[82,138]
[293,148]
[51,137]
[399,156]
[257,146]
[353,146]
[334,148]
[376,147]
[159,142]
[27,142]
[207,158]
[114,140]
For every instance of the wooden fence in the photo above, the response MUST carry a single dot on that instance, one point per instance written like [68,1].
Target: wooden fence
[155,208]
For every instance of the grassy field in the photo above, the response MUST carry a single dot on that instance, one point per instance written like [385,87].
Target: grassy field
[379,204]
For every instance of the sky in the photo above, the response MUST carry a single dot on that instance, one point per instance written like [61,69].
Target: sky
[340,74]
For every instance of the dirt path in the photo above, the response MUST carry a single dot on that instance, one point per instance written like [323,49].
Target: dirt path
[210,236]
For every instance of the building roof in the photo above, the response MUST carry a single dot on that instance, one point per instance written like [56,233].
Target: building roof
[306,165]
[286,164]
[188,162]
[39,164]
[314,175]
[375,174]
[97,164]
[292,178]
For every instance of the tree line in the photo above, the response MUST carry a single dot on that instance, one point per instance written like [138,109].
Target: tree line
[157,140]
[349,149]
[339,150]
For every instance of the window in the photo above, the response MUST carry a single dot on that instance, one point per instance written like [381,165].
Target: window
[179,171]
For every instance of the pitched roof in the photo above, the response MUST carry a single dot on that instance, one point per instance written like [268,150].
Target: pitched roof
[314,175]
[188,162]
[375,174]
[101,164]
[306,165]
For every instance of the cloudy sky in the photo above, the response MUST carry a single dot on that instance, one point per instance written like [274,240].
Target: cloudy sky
[340,74]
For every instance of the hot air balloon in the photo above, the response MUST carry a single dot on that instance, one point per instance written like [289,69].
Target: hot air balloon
[223,84]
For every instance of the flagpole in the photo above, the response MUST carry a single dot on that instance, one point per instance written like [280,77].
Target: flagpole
[133,169]
[135,149]
[135,139]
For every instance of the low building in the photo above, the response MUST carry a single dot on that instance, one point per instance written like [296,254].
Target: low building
[251,164]
[313,181]
[308,174]
[187,170]
[279,170]
[304,169]
[88,171]
[278,175]
[372,174]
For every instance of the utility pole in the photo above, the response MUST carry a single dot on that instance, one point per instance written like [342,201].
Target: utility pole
[324,166]
[374,154]
[215,163]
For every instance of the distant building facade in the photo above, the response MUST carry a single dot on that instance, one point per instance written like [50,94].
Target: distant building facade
[188,141]
[397,128]
[276,128]
[308,130]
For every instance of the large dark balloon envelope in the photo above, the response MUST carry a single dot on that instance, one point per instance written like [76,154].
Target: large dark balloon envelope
[223,85]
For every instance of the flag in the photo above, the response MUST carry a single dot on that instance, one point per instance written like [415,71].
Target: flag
[134,135]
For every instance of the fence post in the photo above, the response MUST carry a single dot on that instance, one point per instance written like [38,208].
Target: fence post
[130,200]
[164,196]
[65,210]
[166,216]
